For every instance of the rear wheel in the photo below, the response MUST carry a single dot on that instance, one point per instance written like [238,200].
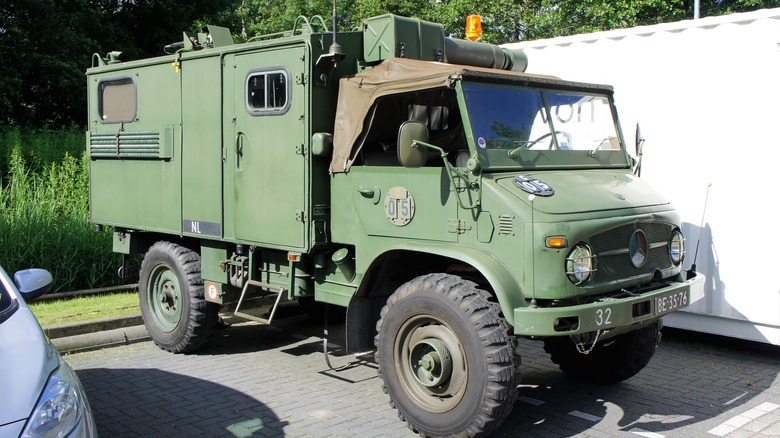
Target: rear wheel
[612,361]
[173,307]
[446,357]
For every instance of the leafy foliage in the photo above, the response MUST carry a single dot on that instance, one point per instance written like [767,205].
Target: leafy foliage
[39,147]
[46,45]
[44,220]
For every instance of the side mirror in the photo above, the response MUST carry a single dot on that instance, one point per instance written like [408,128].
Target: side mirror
[409,154]
[639,140]
[33,283]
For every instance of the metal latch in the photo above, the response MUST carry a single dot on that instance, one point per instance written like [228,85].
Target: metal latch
[457,226]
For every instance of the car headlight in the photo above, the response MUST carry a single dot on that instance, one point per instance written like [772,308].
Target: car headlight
[60,407]
[579,264]
[676,247]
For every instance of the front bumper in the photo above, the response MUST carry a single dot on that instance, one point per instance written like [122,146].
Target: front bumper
[608,313]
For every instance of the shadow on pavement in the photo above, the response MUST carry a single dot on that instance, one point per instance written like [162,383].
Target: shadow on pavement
[692,378]
[150,402]
[690,386]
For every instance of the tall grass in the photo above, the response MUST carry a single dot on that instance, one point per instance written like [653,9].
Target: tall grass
[39,147]
[44,216]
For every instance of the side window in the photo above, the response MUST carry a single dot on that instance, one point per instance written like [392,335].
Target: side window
[117,101]
[267,92]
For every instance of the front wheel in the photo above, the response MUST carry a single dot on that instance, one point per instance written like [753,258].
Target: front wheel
[446,357]
[170,291]
[612,361]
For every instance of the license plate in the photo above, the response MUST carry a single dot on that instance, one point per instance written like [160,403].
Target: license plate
[673,301]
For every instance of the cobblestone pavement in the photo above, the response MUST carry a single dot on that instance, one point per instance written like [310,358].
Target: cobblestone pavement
[255,380]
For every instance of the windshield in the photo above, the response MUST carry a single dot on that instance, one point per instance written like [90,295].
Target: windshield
[526,127]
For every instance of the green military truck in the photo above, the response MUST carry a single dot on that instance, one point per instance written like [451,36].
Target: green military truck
[449,201]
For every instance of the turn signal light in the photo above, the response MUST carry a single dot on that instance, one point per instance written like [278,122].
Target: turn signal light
[473,27]
[556,242]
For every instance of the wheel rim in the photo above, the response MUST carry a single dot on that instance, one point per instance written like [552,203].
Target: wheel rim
[430,364]
[164,298]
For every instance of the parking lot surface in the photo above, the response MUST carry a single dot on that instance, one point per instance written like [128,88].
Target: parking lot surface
[253,380]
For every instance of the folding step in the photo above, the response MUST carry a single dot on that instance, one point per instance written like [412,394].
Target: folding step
[267,286]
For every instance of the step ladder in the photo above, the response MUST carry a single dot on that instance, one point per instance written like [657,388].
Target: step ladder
[279,291]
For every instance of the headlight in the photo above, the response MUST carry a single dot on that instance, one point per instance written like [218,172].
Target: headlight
[676,247]
[579,264]
[60,407]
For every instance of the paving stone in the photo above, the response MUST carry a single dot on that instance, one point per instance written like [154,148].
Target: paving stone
[277,377]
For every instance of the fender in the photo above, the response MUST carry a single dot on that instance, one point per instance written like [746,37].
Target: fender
[505,287]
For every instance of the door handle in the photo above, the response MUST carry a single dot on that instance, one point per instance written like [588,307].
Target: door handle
[372,193]
[241,151]
[368,193]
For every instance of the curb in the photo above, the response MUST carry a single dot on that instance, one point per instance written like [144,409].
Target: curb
[101,333]
[84,327]
[102,339]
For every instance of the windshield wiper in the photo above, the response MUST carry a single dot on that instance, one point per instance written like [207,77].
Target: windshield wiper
[525,145]
[602,142]
[530,143]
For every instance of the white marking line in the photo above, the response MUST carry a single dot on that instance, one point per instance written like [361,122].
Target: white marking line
[735,399]
[530,401]
[646,434]
[742,419]
[585,416]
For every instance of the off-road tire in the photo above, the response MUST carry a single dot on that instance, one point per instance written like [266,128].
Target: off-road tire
[170,290]
[613,361]
[484,375]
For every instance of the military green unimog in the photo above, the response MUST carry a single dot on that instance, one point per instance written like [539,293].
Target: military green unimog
[449,201]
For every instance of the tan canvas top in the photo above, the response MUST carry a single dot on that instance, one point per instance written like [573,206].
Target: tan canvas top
[358,93]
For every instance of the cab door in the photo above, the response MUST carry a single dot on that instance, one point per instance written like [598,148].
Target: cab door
[404,203]
[266,183]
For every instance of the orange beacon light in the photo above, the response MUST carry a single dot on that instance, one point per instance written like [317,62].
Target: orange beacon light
[473,27]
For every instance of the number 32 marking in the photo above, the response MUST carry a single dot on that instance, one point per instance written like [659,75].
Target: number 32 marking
[603,317]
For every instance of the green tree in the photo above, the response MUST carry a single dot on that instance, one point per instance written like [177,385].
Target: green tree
[551,18]
[251,18]
[45,46]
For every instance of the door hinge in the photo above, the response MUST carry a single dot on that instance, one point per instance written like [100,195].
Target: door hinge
[300,216]
[300,80]
[457,226]
[300,149]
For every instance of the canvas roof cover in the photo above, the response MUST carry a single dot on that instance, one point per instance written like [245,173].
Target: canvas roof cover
[358,93]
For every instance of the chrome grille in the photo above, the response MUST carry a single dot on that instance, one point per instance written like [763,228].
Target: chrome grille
[611,249]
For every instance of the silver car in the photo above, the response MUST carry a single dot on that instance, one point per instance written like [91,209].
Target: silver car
[40,395]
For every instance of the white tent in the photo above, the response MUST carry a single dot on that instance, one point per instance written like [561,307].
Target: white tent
[707,95]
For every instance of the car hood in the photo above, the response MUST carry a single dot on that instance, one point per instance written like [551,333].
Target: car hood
[26,361]
[586,191]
